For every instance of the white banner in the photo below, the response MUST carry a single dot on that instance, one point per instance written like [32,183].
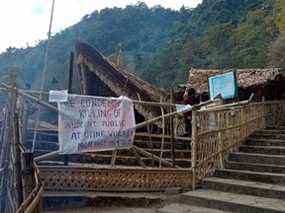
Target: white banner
[58,95]
[91,123]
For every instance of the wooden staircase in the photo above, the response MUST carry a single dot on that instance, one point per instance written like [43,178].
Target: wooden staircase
[47,141]
[253,180]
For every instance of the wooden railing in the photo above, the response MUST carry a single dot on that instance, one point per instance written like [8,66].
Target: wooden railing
[218,131]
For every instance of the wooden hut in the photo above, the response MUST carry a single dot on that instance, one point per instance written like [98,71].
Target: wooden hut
[268,83]
[98,76]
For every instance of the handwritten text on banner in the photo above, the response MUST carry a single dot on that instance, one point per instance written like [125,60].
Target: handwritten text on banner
[91,123]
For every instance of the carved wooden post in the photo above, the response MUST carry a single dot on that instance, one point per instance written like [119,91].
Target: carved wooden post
[194,148]
[66,157]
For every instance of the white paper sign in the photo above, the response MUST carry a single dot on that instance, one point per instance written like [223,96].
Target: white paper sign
[58,96]
[95,123]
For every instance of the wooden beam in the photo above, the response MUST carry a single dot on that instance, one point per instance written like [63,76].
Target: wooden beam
[70,72]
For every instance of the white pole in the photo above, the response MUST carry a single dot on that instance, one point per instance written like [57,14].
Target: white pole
[44,72]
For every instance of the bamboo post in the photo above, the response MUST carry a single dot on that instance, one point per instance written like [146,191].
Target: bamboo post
[9,145]
[221,147]
[194,148]
[149,130]
[18,164]
[162,139]
[172,129]
[113,159]
[220,143]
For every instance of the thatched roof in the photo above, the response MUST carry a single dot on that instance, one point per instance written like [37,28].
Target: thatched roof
[198,78]
[118,81]
[135,84]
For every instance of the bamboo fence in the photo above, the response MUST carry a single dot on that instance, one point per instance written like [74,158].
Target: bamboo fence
[218,132]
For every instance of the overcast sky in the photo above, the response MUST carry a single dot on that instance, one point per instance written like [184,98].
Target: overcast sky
[24,22]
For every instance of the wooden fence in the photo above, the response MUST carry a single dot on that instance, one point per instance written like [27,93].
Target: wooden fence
[217,132]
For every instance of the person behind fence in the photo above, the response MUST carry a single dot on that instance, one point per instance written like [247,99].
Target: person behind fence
[189,98]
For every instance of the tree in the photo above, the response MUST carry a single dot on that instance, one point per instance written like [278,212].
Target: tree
[277,53]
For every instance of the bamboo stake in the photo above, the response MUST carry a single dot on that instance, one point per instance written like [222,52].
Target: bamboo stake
[194,148]
[163,133]
[114,155]
[172,130]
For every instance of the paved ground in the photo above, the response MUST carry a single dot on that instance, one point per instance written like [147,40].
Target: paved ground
[107,210]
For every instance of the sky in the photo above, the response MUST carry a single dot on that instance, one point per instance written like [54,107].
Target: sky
[25,22]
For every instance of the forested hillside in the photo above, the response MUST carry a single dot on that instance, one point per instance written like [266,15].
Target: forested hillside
[161,45]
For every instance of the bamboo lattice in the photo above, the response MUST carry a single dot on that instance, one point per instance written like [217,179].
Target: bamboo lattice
[220,132]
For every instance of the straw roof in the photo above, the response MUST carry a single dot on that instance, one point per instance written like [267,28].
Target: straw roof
[198,78]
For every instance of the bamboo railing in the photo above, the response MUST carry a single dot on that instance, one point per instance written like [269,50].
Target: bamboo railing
[217,132]
[33,203]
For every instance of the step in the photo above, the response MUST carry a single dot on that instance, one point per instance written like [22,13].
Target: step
[268,136]
[245,187]
[275,127]
[265,142]
[120,160]
[269,150]
[265,177]
[255,167]
[101,202]
[270,131]
[167,153]
[48,145]
[257,158]
[184,208]
[233,202]
[157,145]
[42,136]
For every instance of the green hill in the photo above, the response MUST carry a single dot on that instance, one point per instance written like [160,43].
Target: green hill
[159,44]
